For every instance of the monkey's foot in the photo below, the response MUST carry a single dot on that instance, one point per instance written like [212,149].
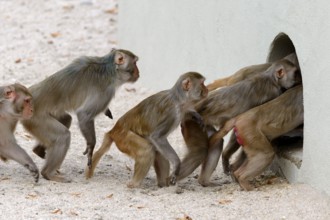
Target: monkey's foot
[225,167]
[205,183]
[233,177]
[171,180]
[162,184]
[132,184]
[35,175]
[246,185]
[56,178]
[88,172]
[33,170]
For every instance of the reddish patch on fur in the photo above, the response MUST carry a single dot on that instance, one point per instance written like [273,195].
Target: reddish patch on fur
[238,138]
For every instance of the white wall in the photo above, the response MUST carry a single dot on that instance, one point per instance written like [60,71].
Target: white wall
[217,37]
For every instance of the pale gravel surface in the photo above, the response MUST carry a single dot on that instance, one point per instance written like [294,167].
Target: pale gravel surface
[38,38]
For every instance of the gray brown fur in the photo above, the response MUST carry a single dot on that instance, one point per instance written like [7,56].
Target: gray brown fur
[142,132]
[15,104]
[86,86]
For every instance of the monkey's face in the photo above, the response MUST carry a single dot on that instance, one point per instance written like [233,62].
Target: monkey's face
[199,90]
[127,68]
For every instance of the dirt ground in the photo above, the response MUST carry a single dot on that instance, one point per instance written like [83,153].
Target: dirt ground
[39,37]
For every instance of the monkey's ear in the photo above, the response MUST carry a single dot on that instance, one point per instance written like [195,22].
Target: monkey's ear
[119,58]
[9,92]
[280,72]
[186,84]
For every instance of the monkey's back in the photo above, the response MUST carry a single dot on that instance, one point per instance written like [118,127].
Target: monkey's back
[154,113]
[71,86]
[222,104]
[281,115]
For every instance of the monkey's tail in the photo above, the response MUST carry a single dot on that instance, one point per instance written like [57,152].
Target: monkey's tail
[107,141]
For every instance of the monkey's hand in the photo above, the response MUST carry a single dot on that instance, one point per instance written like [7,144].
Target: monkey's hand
[198,119]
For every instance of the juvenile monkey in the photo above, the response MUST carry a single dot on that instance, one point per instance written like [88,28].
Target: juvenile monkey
[226,103]
[256,128]
[86,86]
[15,104]
[142,132]
[248,72]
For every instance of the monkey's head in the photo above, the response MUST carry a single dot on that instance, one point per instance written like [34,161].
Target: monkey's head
[193,85]
[287,74]
[126,65]
[23,105]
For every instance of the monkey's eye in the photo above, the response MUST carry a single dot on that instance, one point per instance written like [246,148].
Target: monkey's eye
[27,101]
[8,93]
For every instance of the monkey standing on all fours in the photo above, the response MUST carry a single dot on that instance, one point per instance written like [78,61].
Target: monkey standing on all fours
[15,104]
[86,86]
[142,132]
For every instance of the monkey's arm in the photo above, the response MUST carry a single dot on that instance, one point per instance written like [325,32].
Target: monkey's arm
[195,116]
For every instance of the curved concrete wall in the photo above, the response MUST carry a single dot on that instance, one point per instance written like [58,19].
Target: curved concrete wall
[218,37]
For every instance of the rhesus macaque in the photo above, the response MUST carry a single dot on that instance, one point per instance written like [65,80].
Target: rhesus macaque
[256,128]
[15,104]
[86,86]
[142,132]
[248,72]
[242,74]
[226,103]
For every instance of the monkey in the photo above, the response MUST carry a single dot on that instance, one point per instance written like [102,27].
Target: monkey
[225,103]
[85,86]
[15,104]
[142,132]
[257,127]
[242,74]
[248,72]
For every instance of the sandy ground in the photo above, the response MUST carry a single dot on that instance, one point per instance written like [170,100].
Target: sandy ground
[38,38]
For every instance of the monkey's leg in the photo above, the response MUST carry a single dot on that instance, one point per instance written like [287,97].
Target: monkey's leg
[56,137]
[106,144]
[162,168]
[241,157]
[210,163]
[238,161]
[191,161]
[40,150]
[163,146]
[16,153]
[229,150]
[138,148]
[87,128]
[258,159]
[196,140]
